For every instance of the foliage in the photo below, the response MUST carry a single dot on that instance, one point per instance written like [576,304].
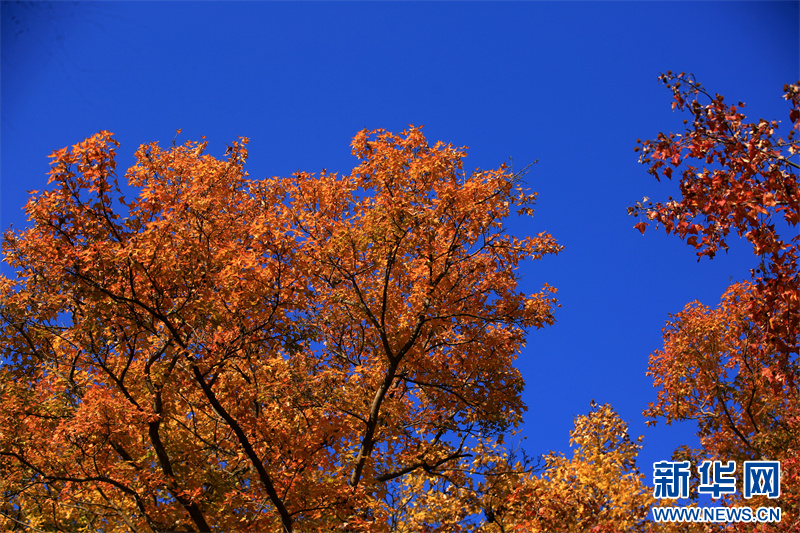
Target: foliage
[598,489]
[710,371]
[297,354]
[734,368]
[751,186]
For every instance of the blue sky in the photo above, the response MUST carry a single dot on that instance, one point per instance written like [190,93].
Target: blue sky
[570,84]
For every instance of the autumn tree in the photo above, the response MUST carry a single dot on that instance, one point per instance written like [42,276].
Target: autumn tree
[734,368]
[711,370]
[310,353]
[748,184]
[599,489]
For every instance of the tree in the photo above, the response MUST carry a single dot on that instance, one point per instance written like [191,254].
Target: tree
[751,186]
[711,370]
[734,369]
[598,489]
[287,354]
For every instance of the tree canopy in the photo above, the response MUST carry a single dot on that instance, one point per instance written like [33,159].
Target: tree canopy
[299,354]
[734,368]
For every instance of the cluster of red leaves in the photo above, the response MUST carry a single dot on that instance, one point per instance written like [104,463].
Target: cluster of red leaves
[747,184]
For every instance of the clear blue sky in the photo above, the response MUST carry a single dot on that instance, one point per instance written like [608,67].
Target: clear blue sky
[570,84]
